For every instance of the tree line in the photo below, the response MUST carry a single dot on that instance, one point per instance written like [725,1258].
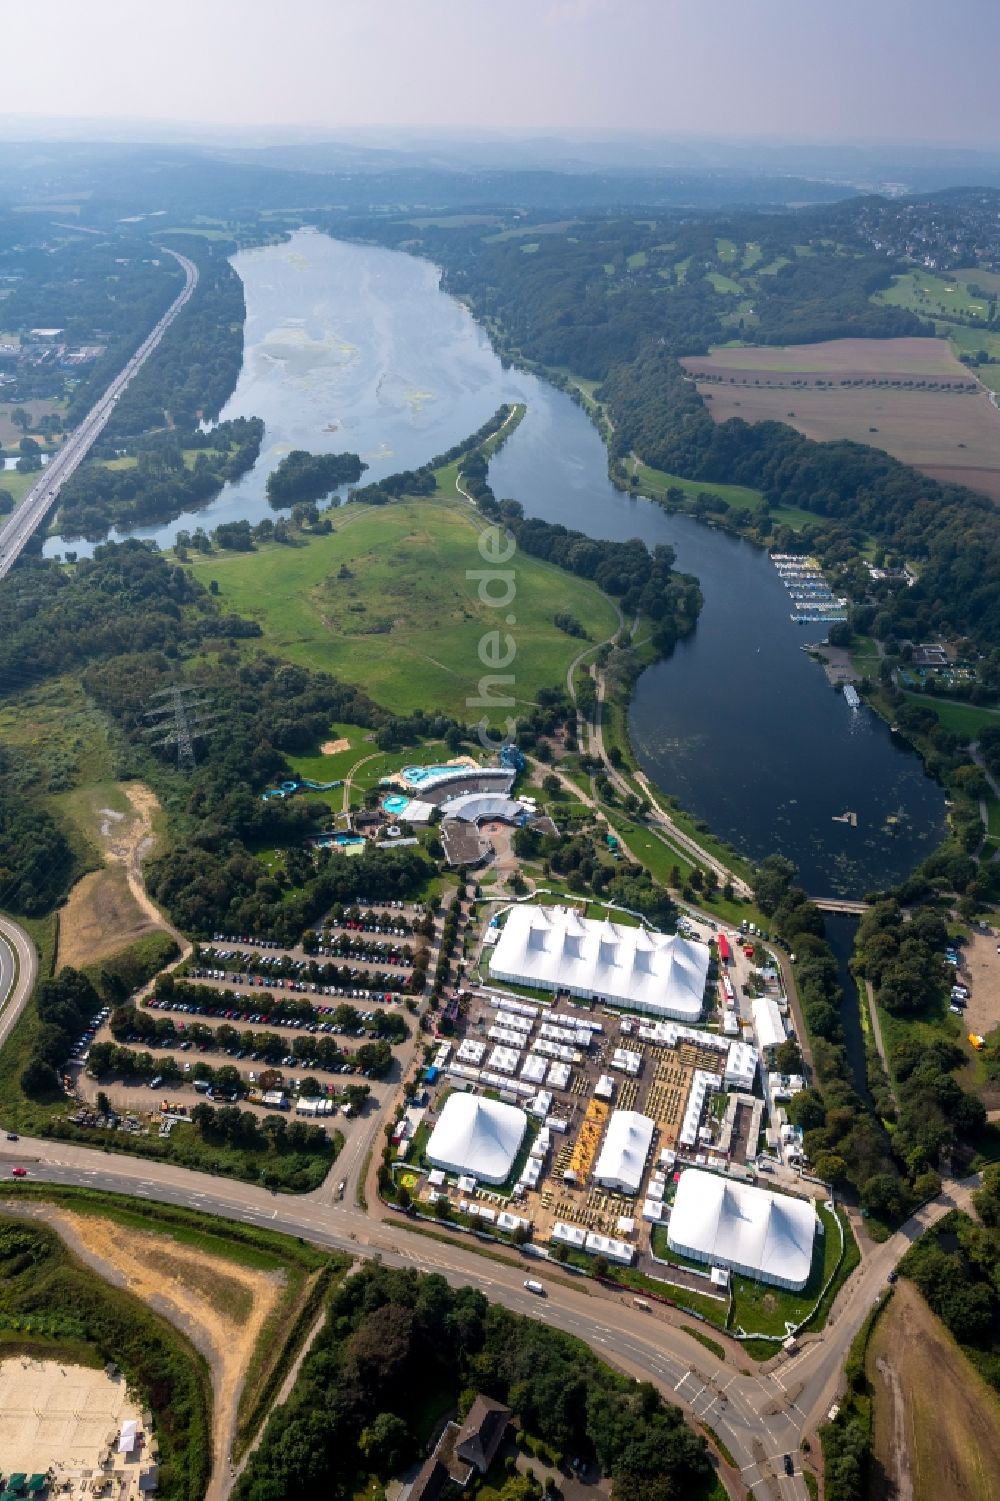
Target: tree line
[397,1344]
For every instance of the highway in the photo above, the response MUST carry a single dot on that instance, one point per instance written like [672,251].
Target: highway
[18,963]
[761,1413]
[22,525]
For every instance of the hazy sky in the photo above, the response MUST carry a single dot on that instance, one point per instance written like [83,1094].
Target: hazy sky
[793,69]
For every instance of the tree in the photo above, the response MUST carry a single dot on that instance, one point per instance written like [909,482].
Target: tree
[39,1079]
[385,1442]
[21,418]
[831,1167]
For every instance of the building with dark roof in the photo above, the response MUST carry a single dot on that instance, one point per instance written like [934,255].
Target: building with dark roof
[462,1449]
[482,1432]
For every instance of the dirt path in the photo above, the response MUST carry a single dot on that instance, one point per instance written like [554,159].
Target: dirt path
[221,1306]
[109,909]
[902,1483]
[282,1397]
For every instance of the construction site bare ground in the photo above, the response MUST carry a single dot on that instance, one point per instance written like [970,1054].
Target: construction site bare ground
[945,429]
[223,1307]
[937,1423]
[108,909]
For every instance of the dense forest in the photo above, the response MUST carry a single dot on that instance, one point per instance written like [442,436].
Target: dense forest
[171,473]
[843,1119]
[303,476]
[195,369]
[398,1346]
[36,862]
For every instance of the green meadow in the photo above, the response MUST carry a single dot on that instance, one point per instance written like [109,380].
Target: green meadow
[385,601]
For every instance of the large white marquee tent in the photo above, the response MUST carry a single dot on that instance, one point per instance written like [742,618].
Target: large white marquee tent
[477,1136]
[556,949]
[750,1230]
[626,1146]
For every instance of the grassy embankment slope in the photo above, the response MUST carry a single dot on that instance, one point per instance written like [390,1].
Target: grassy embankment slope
[385,601]
[936,1423]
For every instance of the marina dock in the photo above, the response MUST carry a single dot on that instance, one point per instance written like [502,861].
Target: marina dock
[812,597]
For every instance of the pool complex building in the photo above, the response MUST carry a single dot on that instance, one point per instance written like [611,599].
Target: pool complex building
[424,779]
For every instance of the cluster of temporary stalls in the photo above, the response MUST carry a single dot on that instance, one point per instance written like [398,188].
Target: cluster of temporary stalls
[626,1061]
[784,1086]
[314,1105]
[768,1023]
[579,1239]
[741,1067]
[534,1068]
[557,1050]
[471,1051]
[512,1005]
[702,1085]
[559,1075]
[506,1036]
[504,1060]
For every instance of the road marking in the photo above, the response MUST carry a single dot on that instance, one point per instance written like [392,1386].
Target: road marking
[682,1381]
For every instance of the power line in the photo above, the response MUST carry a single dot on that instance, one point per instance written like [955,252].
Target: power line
[179,721]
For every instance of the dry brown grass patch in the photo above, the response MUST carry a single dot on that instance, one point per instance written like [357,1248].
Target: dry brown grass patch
[937,1423]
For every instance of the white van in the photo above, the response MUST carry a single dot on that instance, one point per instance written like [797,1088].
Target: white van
[534,1287]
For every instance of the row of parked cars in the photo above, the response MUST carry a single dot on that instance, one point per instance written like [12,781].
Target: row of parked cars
[959,993]
[82,1045]
[346,992]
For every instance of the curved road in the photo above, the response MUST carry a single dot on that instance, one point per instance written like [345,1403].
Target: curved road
[42,496]
[761,1413]
[18,972]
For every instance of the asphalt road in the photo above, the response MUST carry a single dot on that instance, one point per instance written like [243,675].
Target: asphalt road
[761,1413]
[43,495]
[18,963]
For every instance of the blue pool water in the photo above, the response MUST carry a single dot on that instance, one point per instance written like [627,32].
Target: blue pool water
[423,776]
[395,804]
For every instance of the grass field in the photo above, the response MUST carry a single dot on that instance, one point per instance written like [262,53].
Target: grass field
[657,482]
[385,602]
[961,719]
[936,296]
[936,1422]
[725,284]
[951,435]
[975,341]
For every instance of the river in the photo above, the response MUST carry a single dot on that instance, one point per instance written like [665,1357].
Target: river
[355,347]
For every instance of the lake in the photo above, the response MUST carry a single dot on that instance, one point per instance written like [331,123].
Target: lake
[355,347]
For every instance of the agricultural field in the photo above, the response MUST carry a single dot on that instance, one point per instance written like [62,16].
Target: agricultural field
[936,1422]
[385,602]
[842,359]
[863,389]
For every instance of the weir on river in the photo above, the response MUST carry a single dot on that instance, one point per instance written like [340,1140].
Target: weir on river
[355,347]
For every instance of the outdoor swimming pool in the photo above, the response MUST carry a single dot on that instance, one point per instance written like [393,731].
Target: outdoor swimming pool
[395,804]
[425,776]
